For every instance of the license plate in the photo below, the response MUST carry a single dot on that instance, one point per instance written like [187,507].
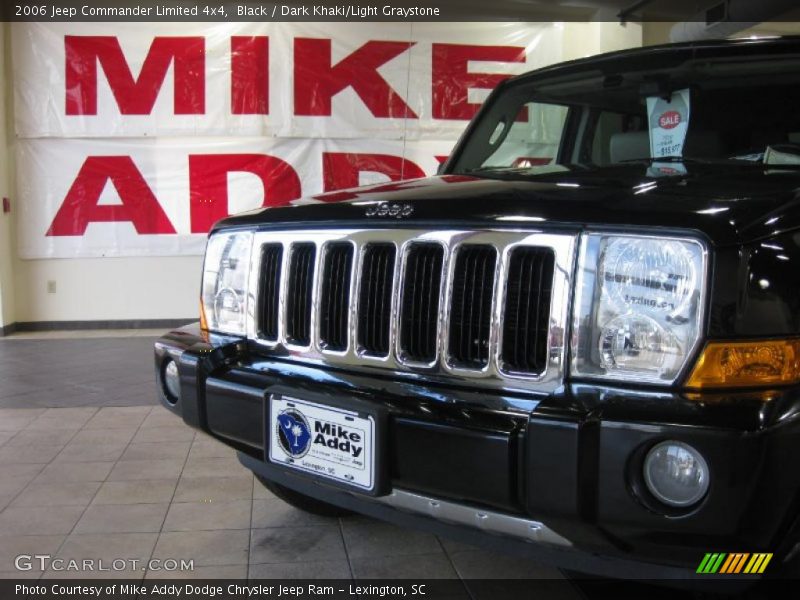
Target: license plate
[326,441]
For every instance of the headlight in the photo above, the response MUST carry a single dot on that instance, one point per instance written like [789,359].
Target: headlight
[638,307]
[225,276]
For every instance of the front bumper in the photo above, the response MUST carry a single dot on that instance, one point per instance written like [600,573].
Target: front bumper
[560,483]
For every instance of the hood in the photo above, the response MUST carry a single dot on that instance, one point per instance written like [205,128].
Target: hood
[726,204]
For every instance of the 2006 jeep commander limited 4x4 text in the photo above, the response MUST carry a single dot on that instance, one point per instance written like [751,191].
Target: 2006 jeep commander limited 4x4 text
[580,341]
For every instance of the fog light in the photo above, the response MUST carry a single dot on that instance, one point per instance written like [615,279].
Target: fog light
[172,381]
[676,474]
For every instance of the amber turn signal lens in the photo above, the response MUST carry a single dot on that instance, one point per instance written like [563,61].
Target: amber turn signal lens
[203,323]
[747,364]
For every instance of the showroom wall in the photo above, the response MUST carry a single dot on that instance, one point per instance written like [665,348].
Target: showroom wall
[7,249]
[155,287]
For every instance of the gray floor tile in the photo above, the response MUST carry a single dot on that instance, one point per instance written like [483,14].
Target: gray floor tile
[207,447]
[482,564]
[318,569]
[5,436]
[207,572]
[15,413]
[74,471]
[104,437]
[15,423]
[29,454]
[19,470]
[296,544]
[60,493]
[146,469]
[79,371]
[206,548]
[15,419]
[108,573]
[452,546]
[145,491]
[12,546]
[73,452]
[62,418]
[213,489]
[161,417]
[156,450]
[122,518]
[277,513]
[129,417]
[34,521]
[11,486]
[418,566]
[374,539]
[108,547]
[20,574]
[43,438]
[177,433]
[197,516]
[260,492]
[214,467]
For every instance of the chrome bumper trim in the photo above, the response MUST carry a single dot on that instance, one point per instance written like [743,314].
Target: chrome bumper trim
[488,521]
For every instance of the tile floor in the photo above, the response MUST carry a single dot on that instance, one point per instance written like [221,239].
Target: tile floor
[90,467]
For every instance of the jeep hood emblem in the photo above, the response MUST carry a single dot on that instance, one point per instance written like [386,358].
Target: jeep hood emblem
[398,210]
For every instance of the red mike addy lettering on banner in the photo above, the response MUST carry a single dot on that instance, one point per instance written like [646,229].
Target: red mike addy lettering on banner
[208,188]
[317,79]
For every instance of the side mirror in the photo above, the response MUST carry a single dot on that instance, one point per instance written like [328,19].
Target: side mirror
[440,168]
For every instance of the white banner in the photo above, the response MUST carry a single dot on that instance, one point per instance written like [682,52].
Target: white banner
[159,196]
[135,137]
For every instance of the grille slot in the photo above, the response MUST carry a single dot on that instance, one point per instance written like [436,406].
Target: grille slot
[375,299]
[335,296]
[471,306]
[271,261]
[527,310]
[420,306]
[298,294]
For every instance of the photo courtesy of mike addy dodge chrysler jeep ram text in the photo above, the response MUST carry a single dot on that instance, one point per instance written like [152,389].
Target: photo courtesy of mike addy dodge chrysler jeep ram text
[579,342]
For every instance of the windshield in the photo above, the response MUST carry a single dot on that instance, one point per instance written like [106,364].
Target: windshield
[741,111]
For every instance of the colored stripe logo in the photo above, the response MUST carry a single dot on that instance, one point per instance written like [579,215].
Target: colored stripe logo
[734,563]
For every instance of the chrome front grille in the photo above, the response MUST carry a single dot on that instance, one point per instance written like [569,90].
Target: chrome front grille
[484,306]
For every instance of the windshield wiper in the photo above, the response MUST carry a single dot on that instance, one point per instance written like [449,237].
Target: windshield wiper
[497,169]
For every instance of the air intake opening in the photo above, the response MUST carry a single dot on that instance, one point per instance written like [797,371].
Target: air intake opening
[298,295]
[335,298]
[471,306]
[375,299]
[526,324]
[271,261]
[419,318]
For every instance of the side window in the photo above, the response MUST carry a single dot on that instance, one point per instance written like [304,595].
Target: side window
[533,138]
